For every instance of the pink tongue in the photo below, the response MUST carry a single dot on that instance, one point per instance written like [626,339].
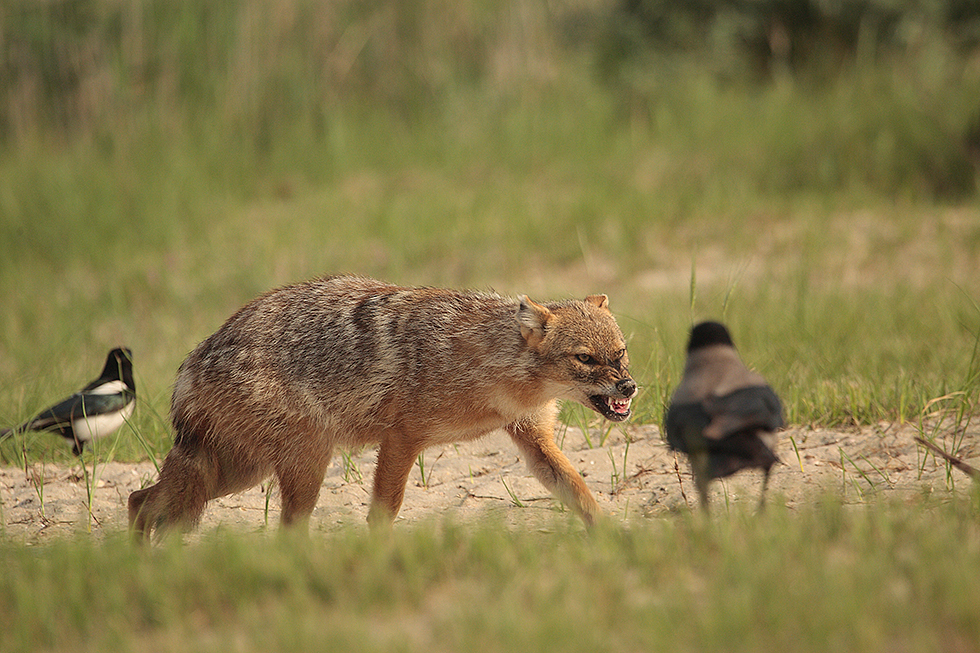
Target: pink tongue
[618,406]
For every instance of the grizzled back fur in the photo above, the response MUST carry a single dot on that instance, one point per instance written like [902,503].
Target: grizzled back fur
[351,361]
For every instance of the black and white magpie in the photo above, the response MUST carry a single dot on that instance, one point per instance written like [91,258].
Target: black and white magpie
[95,411]
[722,415]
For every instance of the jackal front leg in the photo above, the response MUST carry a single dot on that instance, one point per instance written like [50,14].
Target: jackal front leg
[536,440]
[396,456]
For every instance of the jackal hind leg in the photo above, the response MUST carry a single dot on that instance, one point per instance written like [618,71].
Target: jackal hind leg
[177,499]
[300,479]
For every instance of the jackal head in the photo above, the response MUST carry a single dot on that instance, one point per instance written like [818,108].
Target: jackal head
[582,352]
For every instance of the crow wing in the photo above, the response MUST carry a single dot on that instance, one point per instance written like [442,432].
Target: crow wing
[754,407]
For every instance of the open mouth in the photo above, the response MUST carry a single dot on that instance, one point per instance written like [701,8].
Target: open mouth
[611,408]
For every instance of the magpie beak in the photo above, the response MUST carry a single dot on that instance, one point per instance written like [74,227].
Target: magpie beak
[95,411]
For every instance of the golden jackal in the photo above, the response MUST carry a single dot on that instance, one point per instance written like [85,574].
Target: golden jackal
[349,361]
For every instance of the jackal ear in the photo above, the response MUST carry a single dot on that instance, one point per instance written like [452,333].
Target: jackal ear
[600,301]
[533,318]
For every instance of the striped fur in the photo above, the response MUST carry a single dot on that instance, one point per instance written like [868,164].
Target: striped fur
[350,361]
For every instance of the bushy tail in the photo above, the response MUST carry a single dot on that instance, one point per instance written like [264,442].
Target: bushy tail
[969,470]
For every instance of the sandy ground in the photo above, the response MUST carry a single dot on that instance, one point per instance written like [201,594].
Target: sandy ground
[633,475]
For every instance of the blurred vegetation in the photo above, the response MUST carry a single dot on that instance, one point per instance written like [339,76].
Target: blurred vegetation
[247,75]
[804,169]
[872,578]
[902,61]
[815,38]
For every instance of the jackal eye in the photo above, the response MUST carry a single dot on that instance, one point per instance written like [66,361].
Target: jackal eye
[585,358]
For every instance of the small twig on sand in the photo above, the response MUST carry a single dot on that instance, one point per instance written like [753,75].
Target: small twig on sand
[969,470]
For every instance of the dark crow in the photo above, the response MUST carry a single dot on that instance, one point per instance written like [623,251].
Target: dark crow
[722,415]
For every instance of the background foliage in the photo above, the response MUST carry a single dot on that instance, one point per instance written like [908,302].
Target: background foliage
[804,169]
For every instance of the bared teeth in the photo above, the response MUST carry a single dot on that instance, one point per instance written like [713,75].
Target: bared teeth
[618,405]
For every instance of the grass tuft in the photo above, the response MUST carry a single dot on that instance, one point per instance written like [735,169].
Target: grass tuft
[828,572]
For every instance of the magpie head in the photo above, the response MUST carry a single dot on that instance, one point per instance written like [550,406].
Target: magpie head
[119,367]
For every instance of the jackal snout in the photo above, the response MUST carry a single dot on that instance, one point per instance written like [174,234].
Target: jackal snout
[615,403]
[626,387]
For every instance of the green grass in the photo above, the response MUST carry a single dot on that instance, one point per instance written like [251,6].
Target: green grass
[163,163]
[880,577]
[202,159]
[804,216]
[857,311]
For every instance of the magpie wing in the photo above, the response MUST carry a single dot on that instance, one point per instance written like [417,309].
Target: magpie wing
[78,406]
